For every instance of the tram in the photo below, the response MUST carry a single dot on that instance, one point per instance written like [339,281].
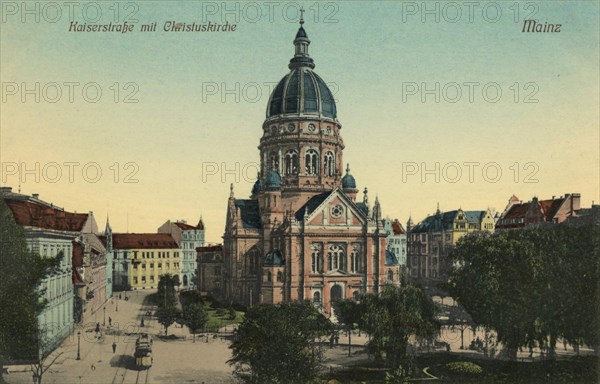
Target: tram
[143,351]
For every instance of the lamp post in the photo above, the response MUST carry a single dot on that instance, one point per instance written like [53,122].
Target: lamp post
[78,345]
[104,321]
[117,307]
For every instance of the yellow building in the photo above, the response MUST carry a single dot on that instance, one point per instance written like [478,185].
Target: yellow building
[142,257]
[430,241]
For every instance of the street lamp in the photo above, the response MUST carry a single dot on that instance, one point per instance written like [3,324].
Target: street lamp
[78,345]
[104,321]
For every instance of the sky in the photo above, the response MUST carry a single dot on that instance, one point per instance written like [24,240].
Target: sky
[440,102]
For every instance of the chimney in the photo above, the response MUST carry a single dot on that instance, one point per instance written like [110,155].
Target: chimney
[35,195]
[6,189]
[575,202]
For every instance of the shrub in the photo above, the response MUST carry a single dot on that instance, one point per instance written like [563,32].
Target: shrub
[464,368]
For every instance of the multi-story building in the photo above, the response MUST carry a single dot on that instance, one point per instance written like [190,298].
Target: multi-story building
[302,234]
[50,231]
[519,214]
[189,238]
[210,270]
[90,260]
[396,239]
[140,258]
[430,241]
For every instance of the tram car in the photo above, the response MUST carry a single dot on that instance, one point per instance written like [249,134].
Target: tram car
[143,351]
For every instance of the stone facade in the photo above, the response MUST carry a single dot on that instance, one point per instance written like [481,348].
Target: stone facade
[189,238]
[430,241]
[302,234]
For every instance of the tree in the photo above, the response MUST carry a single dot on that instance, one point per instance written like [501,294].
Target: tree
[21,299]
[167,301]
[532,286]
[348,313]
[279,344]
[392,317]
[195,318]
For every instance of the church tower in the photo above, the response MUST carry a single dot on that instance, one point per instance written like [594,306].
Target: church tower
[301,134]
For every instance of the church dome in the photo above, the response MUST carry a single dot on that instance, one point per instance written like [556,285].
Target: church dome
[273,180]
[302,91]
[348,181]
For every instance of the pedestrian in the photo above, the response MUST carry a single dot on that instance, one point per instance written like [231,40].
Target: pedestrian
[114,345]
[93,367]
[119,296]
[109,321]
[142,323]
[97,327]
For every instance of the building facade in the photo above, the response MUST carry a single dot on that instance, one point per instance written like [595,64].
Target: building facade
[189,238]
[430,241]
[50,231]
[519,214]
[140,258]
[396,239]
[302,234]
[210,270]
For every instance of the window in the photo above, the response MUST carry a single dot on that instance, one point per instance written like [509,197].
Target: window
[144,266]
[335,257]
[273,161]
[337,210]
[317,257]
[159,265]
[390,275]
[151,265]
[291,162]
[311,161]
[279,276]
[329,164]
[269,277]
[135,280]
[355,258]
[317,297]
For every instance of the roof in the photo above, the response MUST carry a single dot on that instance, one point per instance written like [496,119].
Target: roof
[311,205]
[274,258]
[397,228]
[32,214]
[187,227]
[443,221]
[390,258]
[302,91]
[250,213]
[548,208]
[143,241]
[77,257]
[210,248]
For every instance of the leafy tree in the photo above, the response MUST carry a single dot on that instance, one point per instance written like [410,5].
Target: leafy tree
[166,298]
[279,344]
[195,317]
[532,286]
[392,317]
[348,313]
[21,299]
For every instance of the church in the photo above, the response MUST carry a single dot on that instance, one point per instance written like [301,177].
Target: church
[302,234]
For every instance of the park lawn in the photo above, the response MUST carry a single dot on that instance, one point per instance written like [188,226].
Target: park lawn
[572,370]
[216,320]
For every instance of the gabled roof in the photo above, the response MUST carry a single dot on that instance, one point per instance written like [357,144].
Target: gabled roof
[475,216]
[143,241]
[312,204]
[250,213]
[397,228]
[32,214]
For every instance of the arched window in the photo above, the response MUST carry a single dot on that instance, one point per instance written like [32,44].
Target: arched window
[329,164]
[390,275]
[311,162]
[316,257]
[269,277]
[317,297]
[355,259]
[279,276]
[336,257]
[355,295]
[273,161]
[291,163]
